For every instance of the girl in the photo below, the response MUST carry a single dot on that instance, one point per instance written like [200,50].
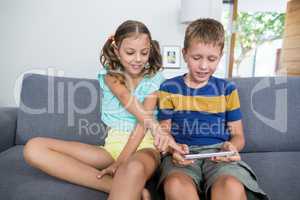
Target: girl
[132,61]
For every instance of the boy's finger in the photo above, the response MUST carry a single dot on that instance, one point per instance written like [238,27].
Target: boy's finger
[178,157]
[186,148]
[188,162]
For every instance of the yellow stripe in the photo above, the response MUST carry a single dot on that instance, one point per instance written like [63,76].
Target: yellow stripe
[215,104]
[233,101]
[178,102]
[165,100]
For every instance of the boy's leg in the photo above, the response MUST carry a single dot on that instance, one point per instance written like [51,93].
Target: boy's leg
[71,161]
[234,180]
[130,178]
[178,185]
[227,187]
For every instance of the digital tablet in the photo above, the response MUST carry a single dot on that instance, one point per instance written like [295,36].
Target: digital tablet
[208,155]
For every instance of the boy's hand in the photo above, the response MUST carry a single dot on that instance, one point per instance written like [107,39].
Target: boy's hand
[228,146]
[178,158]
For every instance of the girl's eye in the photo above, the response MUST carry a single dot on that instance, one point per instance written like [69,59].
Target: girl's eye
[144,53]
[129,53]
[196,58]
[211,59]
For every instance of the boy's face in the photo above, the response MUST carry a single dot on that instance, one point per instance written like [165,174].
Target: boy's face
[202,61]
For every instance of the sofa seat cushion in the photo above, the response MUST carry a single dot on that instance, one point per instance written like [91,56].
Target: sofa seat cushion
[277,172]
[19,181]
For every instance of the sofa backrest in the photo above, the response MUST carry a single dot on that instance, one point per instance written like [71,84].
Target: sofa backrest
[69,108]
[271,113]
[60,107]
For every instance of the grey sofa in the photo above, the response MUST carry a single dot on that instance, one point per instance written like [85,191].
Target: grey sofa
[69,108]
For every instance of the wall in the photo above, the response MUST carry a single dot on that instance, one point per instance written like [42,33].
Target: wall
[290,60]
[67,36]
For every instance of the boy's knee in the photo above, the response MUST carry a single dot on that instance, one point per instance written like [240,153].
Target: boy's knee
[229,183]
[171,183]
[174,183]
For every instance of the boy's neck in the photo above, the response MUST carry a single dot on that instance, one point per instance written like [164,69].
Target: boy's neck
[193,84]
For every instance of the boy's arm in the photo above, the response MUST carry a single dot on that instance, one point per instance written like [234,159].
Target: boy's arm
[236,142]
[237,134]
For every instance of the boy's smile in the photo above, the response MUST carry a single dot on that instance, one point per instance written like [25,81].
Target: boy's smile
[202,61]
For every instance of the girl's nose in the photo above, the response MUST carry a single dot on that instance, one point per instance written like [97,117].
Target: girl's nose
[138,57]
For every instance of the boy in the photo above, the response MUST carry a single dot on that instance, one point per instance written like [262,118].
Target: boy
[199,110]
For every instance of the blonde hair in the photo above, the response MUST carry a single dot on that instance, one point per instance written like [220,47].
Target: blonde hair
[208,31]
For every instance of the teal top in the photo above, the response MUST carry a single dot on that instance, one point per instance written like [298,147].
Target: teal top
[113,113]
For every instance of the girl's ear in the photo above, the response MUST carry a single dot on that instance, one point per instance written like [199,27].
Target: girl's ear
[184,54]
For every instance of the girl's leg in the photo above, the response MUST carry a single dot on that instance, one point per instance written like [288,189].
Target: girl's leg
[179,186]
[228,187]
[71,161]
[130,178]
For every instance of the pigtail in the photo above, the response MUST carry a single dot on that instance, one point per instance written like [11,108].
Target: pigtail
[110,61]
[108,58]
[155,58]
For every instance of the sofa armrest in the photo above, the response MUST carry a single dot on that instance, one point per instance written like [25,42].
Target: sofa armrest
[8,124]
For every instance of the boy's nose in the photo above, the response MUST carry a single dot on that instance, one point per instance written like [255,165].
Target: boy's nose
[203,65]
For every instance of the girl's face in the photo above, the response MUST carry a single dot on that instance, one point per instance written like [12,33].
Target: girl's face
[134,54]
[202,61]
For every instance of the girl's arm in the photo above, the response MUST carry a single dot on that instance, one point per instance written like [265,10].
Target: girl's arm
[133,142]
[139,132]
[129,102]
[161,139]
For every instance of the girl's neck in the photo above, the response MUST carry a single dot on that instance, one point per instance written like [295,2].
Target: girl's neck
[133,81]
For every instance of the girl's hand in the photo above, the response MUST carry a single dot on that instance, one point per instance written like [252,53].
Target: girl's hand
[178,158]
[163,141]
[110,170]
[228,146]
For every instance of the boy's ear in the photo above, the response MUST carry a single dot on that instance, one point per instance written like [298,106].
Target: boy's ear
[184,54]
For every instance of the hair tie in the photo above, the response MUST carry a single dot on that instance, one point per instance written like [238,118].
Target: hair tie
[111,38]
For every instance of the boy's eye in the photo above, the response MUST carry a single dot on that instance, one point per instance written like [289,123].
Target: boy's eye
[196,58]
[212,59]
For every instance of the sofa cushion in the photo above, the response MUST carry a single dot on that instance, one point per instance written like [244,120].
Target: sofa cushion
[271,113]
[60,107]
[19,181]
[277,172]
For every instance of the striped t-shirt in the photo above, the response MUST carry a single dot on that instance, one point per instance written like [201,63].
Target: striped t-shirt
[199,115]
